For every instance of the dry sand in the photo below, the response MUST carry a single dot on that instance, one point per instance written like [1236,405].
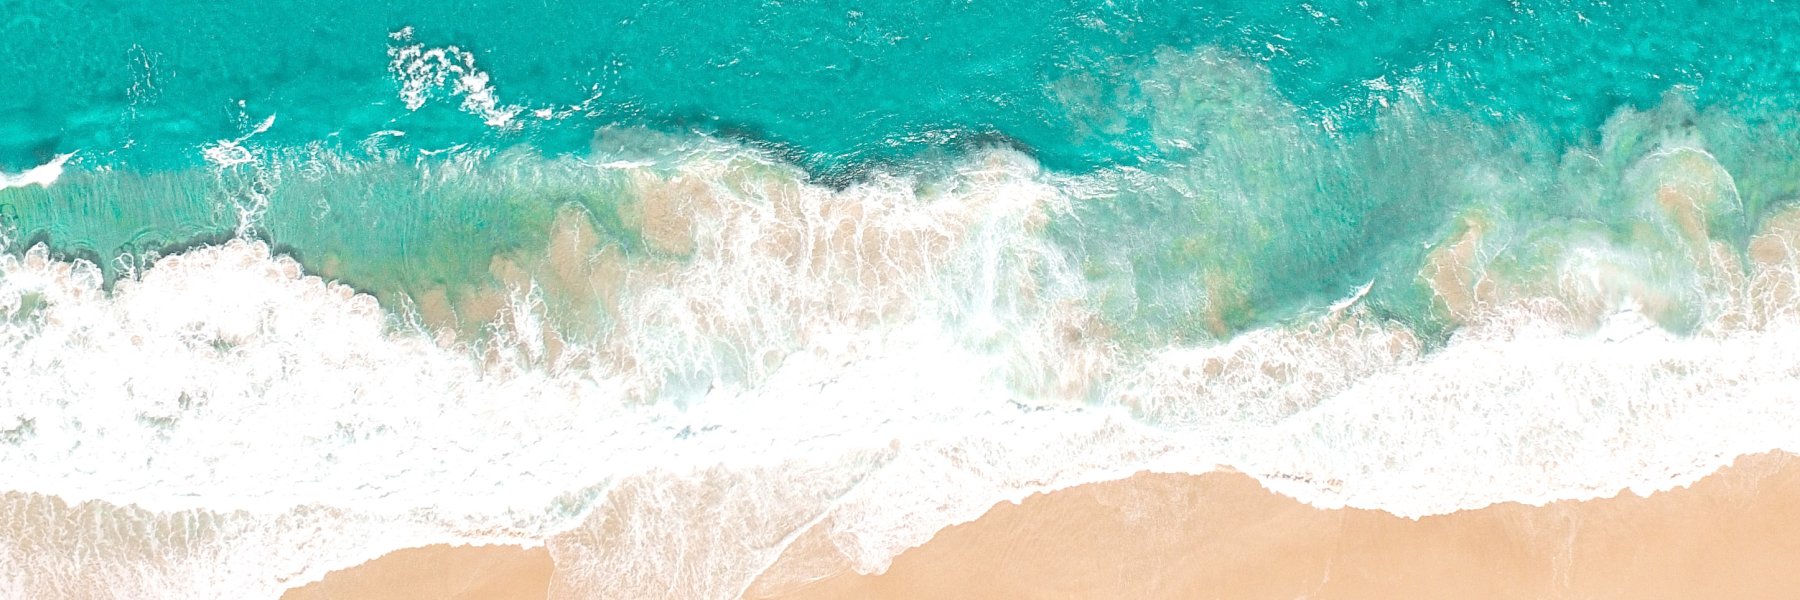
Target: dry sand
[1734,534]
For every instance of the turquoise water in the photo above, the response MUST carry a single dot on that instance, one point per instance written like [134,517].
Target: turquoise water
[836,84]
[724,273]
[1285,153]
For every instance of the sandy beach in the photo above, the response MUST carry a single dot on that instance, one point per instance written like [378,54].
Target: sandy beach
[443,572]
[1735,533]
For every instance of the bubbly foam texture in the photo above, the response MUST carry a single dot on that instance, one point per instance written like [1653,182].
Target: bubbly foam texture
[425,73]
[176,391]
[772,266]
[853,369]
[42,175]
[215,361]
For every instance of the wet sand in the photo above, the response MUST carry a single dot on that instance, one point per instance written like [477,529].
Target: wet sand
[439,572]
[1733,534]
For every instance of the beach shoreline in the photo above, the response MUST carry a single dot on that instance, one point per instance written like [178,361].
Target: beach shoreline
[1224,535]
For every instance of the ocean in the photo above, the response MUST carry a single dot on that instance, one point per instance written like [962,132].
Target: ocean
[289,285]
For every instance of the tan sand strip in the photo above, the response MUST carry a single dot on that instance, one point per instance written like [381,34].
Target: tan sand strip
[439,572]
[1734,534]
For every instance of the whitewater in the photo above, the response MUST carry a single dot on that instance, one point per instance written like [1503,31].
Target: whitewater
[666,356]
[263,425]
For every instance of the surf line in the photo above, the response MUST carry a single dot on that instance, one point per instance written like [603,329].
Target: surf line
[42,175]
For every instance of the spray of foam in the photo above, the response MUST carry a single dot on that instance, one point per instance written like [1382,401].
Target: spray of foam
[873,363]
[889,409]
[425,72]
[238,165]
[175,390]
[42,175]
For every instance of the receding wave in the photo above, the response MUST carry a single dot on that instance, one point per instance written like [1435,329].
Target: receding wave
[680,344]
[42,175]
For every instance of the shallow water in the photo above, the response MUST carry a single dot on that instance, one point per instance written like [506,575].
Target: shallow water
[689,280]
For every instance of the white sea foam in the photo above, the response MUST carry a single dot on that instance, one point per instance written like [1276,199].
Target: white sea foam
[882,361]
[425,72]
[890,409]
[42,175]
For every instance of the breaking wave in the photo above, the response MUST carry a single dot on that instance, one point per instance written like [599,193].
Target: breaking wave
[249,374]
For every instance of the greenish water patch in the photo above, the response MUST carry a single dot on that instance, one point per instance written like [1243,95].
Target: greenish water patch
[1259,214]
[839,83]
[1250,211]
